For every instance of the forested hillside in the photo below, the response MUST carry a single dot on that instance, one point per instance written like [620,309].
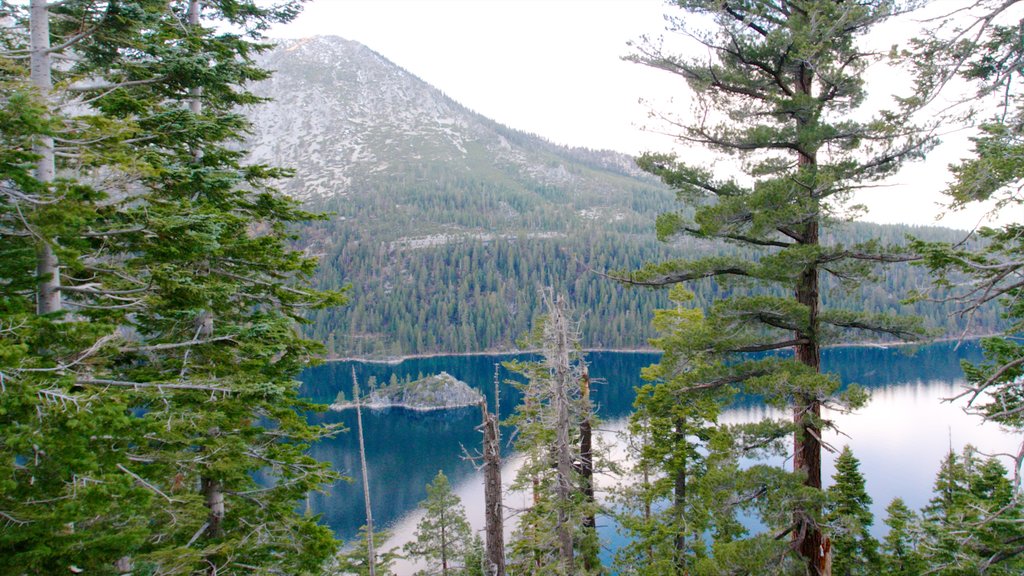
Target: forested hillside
[446,223]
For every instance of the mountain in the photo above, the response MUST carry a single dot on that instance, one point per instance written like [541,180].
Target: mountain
[447,223]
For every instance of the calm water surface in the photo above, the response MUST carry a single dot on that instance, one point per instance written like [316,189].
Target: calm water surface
[899,438]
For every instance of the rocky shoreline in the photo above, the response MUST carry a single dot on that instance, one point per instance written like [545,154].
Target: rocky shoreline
[439,392]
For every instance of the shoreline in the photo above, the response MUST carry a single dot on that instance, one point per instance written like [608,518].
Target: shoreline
[335,407]
[394,360]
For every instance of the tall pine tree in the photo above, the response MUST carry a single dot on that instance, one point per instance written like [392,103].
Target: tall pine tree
[779,90]
[153,422]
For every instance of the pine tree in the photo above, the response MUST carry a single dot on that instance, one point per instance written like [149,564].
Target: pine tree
[666,507]
[778,91]
[900,554]
[444,539]
[982,45]
[848,515]
[151,346]
[552,532]
[972,523]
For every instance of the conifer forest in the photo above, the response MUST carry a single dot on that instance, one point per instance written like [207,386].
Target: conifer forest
[163,286]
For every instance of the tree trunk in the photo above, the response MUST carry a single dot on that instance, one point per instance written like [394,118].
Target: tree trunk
[213,491]
[371,555]
[679,500]
[563,457]
[48,297]
[444,547]
[493,512]
[590,555]
[807,409]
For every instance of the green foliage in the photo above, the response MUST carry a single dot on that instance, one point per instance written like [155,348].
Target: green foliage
[164,381]
[980,45]
[848,515]
[551,535]
[444,539]
[352,561]
[779,91]
[900,548]
[972,523]
[479,295]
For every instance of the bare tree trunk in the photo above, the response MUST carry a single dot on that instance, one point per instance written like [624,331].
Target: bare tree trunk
[563,456]
[371,555]
[444,546]
[213,491]
[48,297]
[590,555]
[493,512]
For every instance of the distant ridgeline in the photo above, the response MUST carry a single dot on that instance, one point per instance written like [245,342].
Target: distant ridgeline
[446,223]
[438,392]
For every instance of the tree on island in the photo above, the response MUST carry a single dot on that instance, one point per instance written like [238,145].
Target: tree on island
[779,90]
[444,538]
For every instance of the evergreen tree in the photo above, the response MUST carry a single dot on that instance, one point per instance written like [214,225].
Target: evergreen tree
[900,553]
[848,516]
[149,313]
[983,45]
[779,90]
[972,523]
[352,561]
[553,532]
[444,539]
[672,497]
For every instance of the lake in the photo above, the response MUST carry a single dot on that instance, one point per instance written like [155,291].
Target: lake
[900,437]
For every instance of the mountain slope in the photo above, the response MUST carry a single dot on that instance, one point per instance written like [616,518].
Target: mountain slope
[446,223]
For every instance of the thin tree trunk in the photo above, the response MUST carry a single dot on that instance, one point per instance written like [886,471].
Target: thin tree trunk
[48,297]
[807,409]
[590,556]
[493,512]
[213,489]
[371,555]
[444,547]
[563,457]
[679,500]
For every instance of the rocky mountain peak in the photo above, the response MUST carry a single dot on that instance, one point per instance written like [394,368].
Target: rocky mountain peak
[345,118]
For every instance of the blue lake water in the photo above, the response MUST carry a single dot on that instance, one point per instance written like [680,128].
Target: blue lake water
[899,437]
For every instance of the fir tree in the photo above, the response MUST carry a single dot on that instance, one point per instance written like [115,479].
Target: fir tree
[848,515]
[444,539]
[900,554]
[982,45]
[150,347]
[551,532]
[972,523]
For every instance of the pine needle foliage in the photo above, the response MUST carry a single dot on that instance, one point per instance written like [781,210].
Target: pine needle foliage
[779,94]
[148,300]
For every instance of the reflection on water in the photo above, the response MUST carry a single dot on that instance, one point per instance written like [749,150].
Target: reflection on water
[899,438]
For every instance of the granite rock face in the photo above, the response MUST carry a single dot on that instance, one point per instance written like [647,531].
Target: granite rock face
[439,392]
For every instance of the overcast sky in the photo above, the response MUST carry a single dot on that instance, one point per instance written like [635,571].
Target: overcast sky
[554,68]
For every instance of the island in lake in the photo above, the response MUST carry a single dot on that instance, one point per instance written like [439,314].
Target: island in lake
[438,392]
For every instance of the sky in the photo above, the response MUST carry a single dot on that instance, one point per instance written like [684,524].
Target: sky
[554,68]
